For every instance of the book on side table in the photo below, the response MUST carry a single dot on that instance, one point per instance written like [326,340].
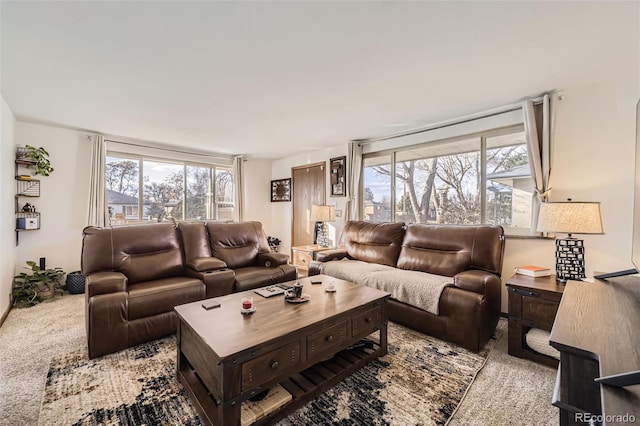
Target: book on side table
[533,271]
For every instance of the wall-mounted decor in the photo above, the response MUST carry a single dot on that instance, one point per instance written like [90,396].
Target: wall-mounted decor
[281,190]
[338,176]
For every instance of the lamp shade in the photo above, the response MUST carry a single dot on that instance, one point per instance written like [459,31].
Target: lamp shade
[570,217]
[322,213]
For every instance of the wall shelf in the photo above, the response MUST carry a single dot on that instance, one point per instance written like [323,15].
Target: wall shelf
[26,187]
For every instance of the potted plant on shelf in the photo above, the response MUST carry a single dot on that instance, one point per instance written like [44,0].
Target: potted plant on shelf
[40,158]
[29,289]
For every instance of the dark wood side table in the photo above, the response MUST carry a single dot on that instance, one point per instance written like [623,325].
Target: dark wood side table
[533,303]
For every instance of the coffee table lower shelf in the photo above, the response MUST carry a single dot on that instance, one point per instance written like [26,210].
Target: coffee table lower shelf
[303,386]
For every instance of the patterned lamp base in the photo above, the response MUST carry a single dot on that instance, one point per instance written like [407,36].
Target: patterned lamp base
[323,235]
[569,259]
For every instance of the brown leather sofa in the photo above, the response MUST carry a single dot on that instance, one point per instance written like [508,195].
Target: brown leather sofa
[472,256]
[136,275]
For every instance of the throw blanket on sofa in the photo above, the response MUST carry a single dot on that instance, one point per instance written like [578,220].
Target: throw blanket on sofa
[415,288]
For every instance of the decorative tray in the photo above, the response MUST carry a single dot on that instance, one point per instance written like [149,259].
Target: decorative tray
[304,298]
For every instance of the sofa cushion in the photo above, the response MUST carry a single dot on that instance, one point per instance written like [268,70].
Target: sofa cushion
[141,252]
[147,252]
[202,264]
[159,296]
[450,249]
[259,276]
[351,270]
[374,242]
[237,244]
[415,288]
[195,241]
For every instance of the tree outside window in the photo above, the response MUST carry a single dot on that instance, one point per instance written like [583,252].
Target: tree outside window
[169,189]
[451,181]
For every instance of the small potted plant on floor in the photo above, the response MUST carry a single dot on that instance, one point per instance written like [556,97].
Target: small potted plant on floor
[29,289]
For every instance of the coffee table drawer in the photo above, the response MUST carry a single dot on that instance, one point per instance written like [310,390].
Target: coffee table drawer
[265,366]
[366,322]
[326,339]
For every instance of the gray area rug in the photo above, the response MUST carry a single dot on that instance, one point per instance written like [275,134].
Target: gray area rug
[139,386]
[507,391]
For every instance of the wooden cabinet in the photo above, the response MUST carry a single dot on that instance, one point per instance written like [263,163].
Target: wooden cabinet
[596,332]
[533,303]
[301,256]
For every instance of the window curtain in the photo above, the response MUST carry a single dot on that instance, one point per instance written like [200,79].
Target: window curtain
[353,180]
[238,185]
[97,214]
[539,125]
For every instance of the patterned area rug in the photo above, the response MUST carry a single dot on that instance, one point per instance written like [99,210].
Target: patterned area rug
[421,381]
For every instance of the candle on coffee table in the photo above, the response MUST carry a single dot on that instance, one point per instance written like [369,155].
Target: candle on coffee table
[247,303]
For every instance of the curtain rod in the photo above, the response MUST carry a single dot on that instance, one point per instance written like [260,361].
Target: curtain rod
[154,146]
[451,122]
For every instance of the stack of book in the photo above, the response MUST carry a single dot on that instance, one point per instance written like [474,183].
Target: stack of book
[252,411]
[533,271]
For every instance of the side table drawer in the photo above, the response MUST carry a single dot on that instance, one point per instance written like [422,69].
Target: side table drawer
[326,339]
[541,312]
[301,259]
[365,323]
[265,366]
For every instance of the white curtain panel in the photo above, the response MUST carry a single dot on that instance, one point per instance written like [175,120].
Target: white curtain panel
[353,176]
[238,185]
[539,126]
[97,213]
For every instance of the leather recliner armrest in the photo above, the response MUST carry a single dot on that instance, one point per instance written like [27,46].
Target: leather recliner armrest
[327,255]
[106,282]
[480,282]
[271,260]
[201,264]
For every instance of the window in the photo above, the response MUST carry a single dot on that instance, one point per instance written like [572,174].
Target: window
[376,203]
[480,179]
[141,189]
[131,211]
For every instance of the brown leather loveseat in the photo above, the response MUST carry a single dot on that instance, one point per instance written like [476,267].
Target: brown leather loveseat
[444,280]
[136,275]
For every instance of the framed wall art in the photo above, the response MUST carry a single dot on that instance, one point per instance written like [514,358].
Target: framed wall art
[281,190]
[338,176]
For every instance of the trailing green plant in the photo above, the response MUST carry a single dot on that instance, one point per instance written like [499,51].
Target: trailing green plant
[29,289]
[41,159]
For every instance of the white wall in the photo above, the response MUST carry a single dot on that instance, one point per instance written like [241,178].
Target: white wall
[594,154]
[7,214]
[593,161]
[257,201]
[281,213]
[64,196]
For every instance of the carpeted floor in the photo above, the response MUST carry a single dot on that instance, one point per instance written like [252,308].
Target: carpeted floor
[506,391]
[139,386]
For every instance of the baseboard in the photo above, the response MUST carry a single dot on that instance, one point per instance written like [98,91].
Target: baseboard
[4,316]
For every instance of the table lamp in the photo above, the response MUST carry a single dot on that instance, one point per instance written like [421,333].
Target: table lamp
[321,214]
[570,217]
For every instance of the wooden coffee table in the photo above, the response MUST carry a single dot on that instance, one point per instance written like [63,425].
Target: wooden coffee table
[225,357]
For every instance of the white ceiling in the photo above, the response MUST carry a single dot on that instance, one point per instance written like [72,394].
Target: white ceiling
[271,79]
